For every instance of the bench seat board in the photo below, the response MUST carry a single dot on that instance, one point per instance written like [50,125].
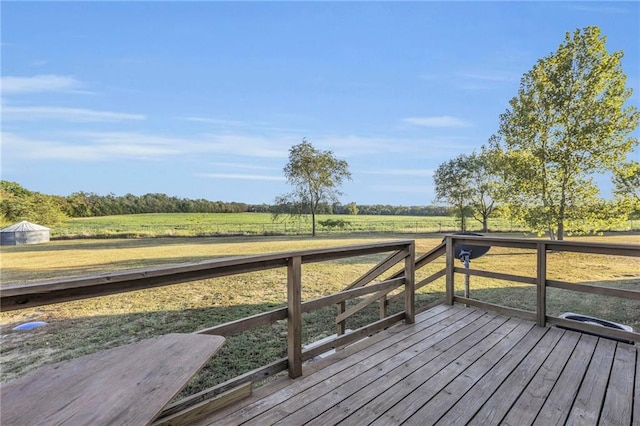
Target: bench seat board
[130,384]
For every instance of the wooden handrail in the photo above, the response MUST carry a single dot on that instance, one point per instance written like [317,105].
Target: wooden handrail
[540,280]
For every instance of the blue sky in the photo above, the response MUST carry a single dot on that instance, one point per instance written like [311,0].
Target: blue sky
[204,99]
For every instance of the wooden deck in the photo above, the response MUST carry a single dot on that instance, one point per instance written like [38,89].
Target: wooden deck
[457,365]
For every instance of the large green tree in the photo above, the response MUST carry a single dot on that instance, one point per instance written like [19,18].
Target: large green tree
[18,203]
[316,177]
[568,122]
[465,182]
[626,178]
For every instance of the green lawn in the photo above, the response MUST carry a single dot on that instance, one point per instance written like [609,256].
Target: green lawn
[226,224]
[212,224]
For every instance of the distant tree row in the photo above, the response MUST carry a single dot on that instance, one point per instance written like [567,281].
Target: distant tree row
[83,204]
[356,209]
[18,203]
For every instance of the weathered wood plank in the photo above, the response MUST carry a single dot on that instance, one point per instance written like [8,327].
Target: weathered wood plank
[526,408]
[497,308]
[588,402]
[594,329]
[258,374]
[308,390]
[503,385]
[379,269]
[632,250]
[243,324]
[431,278]
[364,387]
[636,393]
[353,336]
[129,384]
[294,316]
[321,302]
[449,274]
[431,400]
[558,404]
[495,275]
[409,285]
[19,296]
[369,300]
[541,284]
[618,401]
[426,258]
[352,361]
[595,289]
[191,414]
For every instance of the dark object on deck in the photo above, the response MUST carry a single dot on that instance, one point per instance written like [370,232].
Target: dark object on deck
[596,321]
[468,250]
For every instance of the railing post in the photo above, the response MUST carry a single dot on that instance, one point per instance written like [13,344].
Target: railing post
[342,325]
[541,283]
[450,254]
[294,316]
[409,285]
[384,303]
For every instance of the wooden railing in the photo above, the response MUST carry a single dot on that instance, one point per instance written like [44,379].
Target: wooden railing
[401,252]
[540,280]
[401,255]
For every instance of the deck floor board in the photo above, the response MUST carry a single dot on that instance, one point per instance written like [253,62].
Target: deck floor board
[457,365]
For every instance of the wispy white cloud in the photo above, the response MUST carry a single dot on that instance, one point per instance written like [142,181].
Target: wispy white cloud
[50,148]
[11,113]
[112,145]
[244,153]
[442,121]
[240,176]
[217,121]
[245,125]
[245,166]
[401,172]
[38,83]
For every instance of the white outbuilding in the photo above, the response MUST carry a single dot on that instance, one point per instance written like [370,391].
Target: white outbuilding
[24,233]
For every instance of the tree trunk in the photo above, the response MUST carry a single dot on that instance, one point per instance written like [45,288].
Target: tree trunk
[560,230]
[485,224]
[313,224]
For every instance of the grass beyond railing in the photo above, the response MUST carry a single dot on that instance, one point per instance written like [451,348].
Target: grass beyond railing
[221,224]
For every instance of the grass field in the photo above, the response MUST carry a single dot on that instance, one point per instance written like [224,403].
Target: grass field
[81,327]
[216,224]
[225,224]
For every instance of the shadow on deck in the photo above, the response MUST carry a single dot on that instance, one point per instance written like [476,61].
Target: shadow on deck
[454,366]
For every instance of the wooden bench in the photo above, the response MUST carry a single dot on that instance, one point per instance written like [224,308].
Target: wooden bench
[130,384]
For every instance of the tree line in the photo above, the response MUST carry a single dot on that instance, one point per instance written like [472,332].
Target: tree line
[18,203]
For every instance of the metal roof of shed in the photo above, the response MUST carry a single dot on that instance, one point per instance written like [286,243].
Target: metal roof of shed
[24,226]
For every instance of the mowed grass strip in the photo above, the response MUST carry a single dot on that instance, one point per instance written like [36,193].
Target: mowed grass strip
[81,327]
